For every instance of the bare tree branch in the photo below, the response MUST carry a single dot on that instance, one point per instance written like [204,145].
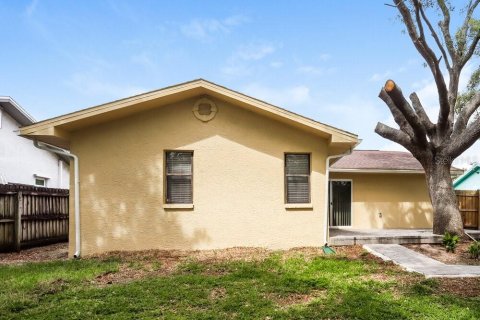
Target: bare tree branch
[417,105]
[464,32]
[418,40]
[471,49]
[464,141]
[465,114]
[445,27]
[430,57]
[435,37]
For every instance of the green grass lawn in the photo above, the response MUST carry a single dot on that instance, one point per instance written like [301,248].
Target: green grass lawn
[278,286]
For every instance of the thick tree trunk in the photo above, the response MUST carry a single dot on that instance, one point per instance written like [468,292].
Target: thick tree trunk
[446,215]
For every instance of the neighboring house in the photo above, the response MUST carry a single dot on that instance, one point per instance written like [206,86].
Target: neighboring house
[470,180]
[20,161]
[374,189]
[200,166]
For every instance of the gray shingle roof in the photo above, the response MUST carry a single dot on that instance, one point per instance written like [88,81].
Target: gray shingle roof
[380,160]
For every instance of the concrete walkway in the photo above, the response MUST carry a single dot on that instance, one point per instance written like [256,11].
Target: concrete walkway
[416,262]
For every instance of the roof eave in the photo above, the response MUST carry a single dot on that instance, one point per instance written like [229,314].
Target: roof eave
[53,129]
[341,170]
[16,111]
[465,175]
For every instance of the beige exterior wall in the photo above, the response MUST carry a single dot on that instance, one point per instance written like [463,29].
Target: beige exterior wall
[402,200]
[238,182]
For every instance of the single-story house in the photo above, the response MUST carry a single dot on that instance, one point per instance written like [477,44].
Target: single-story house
[200,166]
[470,180]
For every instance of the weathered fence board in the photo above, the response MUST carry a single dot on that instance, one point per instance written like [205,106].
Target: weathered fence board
[31,216]
[469,205]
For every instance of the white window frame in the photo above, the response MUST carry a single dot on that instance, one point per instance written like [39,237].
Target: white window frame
[37,177]
[293,204]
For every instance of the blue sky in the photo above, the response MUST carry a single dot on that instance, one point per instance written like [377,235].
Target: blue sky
[323,59]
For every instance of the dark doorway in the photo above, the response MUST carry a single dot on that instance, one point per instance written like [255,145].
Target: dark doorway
[340,203]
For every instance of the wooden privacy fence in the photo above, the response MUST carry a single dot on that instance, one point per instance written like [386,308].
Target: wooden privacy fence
[31,216]
[469,204]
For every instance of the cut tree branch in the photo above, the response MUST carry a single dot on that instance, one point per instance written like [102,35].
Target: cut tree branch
[396,95]
[394,135]
[397,114]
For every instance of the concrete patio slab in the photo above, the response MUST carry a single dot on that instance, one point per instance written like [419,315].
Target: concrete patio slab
[473,233]
[416,262]
[344,236]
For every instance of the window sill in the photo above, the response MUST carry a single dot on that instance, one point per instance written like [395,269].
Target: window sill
[177,206]
[298,206]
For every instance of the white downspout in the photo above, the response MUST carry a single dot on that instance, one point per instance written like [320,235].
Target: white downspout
[327,198]
[76,182]
[60,173]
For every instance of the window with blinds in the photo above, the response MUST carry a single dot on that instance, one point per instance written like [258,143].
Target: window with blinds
[179,177]
[297,178]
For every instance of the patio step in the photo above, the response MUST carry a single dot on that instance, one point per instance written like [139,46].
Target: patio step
[473,233]
[374,239]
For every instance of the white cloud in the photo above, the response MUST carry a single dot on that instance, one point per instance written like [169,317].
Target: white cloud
[236,70]
[311,70]
[91,85]
[241,62]
[356,114]
[470,156]
[314,70]
[428,95]
[31,8]
[205,29]
[295,95]
[144,59]
[276,64]
[236,20]
[324,57]
[380,76]
[253,51]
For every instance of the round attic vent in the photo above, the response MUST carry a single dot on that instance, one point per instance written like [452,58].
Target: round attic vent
[205,109]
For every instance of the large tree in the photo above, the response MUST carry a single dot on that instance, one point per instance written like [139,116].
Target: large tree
[457,127]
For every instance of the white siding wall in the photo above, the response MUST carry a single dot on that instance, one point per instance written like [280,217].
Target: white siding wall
[20,161]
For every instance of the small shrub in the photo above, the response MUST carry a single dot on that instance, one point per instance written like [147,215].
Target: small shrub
[450,241]
[474,250]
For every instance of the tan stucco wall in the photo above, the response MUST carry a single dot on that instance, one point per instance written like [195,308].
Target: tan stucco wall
[238,182]
[402,200]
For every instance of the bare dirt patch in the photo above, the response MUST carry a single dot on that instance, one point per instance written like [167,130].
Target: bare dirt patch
[438,252]
[140,264]
[218,293]
[464,287]
[294,299]
[58,251]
